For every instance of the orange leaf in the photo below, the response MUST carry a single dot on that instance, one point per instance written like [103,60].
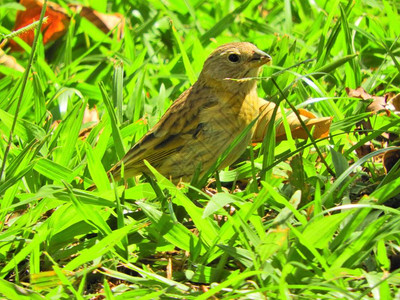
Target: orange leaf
[321,125]
[54,28]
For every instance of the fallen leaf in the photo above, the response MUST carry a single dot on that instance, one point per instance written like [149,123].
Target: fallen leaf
[58,21]
[359,93]
[378,103]
[395,101]
[390,158]
[105,22]
[387,103]
[365,149]
[55,27]
[91,115]
[321,125]
[91,119]
[10,62]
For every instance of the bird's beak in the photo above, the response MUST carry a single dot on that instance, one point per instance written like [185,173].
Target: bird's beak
[260,57]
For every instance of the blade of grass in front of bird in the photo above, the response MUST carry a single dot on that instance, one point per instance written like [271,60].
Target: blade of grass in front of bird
[303,125]
[123,251]
[288,132]
[268,146]
[224,155]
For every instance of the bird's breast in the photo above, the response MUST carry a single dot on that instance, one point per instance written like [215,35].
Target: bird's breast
[224,122]
[232,113]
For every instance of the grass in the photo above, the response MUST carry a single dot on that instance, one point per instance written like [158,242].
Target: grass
[278,224]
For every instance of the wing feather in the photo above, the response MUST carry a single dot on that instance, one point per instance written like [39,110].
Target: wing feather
[174,130]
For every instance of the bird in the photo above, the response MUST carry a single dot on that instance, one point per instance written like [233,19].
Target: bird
[204,120]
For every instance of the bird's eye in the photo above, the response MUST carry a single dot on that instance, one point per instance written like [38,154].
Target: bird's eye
[234,58]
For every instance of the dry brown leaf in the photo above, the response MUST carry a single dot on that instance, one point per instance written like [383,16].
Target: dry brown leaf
[378,103]
[365,149]
[10,62]
[390,158]
[395,101]
[359,93]
[321,125]
[105,22]
[89,116]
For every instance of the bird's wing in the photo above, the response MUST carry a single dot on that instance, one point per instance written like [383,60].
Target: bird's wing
[179,125]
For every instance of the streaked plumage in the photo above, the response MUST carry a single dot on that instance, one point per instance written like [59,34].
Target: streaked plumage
[204,120]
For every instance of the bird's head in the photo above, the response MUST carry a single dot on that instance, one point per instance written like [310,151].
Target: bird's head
[234,61]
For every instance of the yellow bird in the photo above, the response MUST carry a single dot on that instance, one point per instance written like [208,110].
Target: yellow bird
[204,120]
